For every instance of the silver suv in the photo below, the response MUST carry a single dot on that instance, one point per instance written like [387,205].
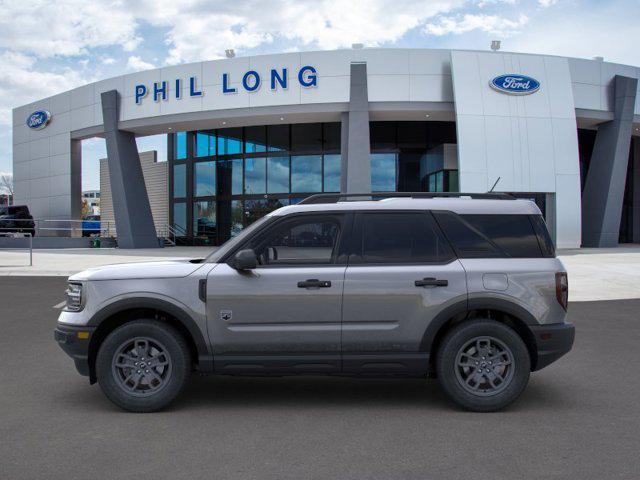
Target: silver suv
[463,287]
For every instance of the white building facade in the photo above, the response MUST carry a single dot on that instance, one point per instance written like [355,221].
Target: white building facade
[562,131]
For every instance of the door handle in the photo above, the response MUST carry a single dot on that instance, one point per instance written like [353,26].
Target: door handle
[314,283]
[431,282]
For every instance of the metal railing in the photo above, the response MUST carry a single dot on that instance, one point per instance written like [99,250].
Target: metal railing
[170,233]
[20,235]
[56,228]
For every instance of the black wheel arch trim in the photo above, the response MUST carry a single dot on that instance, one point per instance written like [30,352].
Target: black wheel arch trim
[205,358]
[464,307]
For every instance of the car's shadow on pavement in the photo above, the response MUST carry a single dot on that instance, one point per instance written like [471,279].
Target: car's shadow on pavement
[224,393]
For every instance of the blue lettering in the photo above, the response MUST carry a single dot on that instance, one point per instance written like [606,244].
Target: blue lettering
[225,84]
[256,81]
[178,89]
[141,92]
[275,77]
[157,91]
[192,88]
[310,80]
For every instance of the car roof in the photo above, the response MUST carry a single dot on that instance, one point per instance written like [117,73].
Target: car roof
[459,205]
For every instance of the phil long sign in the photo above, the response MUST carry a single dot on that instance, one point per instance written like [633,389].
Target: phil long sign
[515,84]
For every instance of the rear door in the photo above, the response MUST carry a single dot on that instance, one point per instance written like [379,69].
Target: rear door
[401,274]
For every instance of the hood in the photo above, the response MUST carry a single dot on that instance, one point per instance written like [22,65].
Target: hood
[142,270]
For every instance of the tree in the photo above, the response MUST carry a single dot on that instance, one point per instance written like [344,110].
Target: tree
[6,185]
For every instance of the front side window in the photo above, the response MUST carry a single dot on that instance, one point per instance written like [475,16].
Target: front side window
[411,237]
[299,241]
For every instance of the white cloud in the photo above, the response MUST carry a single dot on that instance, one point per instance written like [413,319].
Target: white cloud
[493,24]
[135,64]
[547,3]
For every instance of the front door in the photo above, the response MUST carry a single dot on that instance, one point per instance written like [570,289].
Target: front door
[284,315]
[401,274]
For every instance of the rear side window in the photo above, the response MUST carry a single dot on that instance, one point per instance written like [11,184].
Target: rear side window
[490,236]
[399,237]
[544,239]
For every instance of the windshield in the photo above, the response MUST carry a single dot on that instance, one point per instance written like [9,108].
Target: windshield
[232,243]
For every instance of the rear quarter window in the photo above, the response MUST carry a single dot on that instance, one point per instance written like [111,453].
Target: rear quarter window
[494,235]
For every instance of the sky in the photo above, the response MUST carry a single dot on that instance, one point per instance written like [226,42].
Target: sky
[47,47]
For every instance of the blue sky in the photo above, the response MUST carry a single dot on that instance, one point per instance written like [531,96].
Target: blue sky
[51,46]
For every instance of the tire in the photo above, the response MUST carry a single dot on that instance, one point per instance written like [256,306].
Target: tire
[139,385]
[484,341]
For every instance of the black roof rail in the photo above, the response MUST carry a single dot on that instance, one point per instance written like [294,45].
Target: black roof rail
[337,197]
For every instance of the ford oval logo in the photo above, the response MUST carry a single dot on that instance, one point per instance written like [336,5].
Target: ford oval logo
[515,84]
[38,119]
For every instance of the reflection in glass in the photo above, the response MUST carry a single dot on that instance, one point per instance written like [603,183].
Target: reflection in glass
[180,147]
[204,219]
[180,180]
[237,217]
[383,172]
[306,173]
[255,175]
[332,173]
[205,143]
[255,139]
[229,141]
[180,218]
[204,181]
[278,175]
[230,177]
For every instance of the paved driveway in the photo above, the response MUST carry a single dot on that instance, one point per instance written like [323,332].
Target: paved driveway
[580,418]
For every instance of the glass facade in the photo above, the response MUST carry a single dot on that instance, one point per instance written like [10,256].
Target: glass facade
[225,179]
[222,180]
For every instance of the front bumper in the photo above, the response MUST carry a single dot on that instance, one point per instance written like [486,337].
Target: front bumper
[75,343]
[552,342]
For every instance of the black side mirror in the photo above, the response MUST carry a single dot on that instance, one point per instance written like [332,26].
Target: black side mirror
[245,260]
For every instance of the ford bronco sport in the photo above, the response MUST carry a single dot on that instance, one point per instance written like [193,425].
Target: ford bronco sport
[463,287]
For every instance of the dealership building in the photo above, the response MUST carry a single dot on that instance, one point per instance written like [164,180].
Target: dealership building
[249,134]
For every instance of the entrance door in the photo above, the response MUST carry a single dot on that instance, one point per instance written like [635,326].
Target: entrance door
[401,274]
[285,314]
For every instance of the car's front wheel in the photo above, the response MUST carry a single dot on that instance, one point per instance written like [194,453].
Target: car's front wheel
[143,365]
[483,365]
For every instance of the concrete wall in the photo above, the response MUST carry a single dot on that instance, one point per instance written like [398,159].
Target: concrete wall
[156,179]
[529,141]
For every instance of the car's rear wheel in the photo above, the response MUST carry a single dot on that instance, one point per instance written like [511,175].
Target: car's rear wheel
[143,365]
[483,365]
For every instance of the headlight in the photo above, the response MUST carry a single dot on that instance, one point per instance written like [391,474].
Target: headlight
[74,297]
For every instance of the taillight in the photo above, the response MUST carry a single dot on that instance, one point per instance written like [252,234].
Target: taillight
[562,289]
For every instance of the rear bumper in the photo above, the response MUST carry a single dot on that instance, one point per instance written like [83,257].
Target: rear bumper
[74,345]
[552,342]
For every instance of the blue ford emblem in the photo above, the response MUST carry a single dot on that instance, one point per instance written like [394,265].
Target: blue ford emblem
[38,119]
[515,84]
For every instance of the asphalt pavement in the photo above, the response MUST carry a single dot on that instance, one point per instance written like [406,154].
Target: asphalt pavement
[578,419]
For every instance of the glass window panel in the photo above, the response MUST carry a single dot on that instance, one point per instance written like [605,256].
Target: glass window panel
[229,141]
[180,218]
[383,135]
[230,177]
[204,179]
[298,242]
[332,173]
[306,137]
[514,234]
[412,134]
[278,175]
[255,139]
[306,173]
[383,172]
[278,137]
[331,136]
[255,175]
[402,238]
[205,143]
[180,146]
[204,219]
[237,217]
[180,180]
